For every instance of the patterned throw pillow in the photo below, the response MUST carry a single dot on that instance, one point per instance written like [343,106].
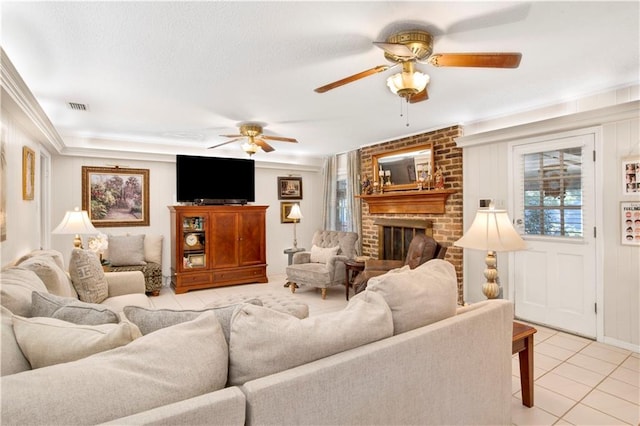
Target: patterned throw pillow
[87,276]
[126,250]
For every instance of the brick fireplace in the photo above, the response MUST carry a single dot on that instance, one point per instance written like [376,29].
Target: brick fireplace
[445,228]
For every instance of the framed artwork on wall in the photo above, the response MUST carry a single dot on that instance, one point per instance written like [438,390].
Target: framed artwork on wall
[285,209]
[630,223]
[631,174]
[28,173]
[289,188]
[115,196]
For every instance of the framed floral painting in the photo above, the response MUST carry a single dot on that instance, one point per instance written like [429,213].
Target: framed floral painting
[115,196]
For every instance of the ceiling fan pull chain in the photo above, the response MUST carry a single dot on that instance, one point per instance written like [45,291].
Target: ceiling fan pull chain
[401,114]
[407,112]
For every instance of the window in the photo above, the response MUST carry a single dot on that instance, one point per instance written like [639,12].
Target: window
[342,214]
[553,193]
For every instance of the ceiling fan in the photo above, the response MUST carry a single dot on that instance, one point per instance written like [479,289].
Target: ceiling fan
[256,140]
[406,48]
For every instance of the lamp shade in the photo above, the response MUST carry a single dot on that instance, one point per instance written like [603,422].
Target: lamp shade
[75,222]
[491,230]
[412,82]
[295,212]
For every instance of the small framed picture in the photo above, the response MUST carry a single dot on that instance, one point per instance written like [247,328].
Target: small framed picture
[630,223]
[28,173]
[630,175]
[285,209]
[289,188]
[196,260]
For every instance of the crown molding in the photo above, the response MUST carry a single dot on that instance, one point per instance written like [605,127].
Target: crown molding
[595,117]
[18,100]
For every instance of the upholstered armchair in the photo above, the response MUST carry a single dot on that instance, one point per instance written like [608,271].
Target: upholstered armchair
[323,266]
[421,249]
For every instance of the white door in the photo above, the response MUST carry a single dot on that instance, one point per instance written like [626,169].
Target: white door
[554,193]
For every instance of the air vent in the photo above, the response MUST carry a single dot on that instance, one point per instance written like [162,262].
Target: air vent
[78,107]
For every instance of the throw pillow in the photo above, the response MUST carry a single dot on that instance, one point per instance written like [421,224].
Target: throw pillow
[150,320]
[49,341]
[87,276]
[108,385]
[53,277]
[153,248]
[420,296]
[126,250]
[322,255]
[71,310]
[264,341]
[16,287]
[54,255]
[13,360]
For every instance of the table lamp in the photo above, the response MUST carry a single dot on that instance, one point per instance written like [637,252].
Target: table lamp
[491,230]
[296,215]
[75,222]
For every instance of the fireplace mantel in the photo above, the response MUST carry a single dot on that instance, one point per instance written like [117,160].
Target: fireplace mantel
[428,201]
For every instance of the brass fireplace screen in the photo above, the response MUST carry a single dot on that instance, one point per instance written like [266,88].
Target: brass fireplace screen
[395,235]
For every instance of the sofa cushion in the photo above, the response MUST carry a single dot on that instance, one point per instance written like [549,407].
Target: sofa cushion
[12,359]
[173,364]
[264,341]
[71,310]
[49,341]
[53,277]
[87,276]
[126,250]
[322,255]
[420,296]
[150,320]
[16,288]
[54,255]
[153,248]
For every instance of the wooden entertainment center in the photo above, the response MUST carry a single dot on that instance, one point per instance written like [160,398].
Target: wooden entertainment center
[215,246]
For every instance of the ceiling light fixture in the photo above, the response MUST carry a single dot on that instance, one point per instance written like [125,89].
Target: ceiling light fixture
[250,147]
[409,82]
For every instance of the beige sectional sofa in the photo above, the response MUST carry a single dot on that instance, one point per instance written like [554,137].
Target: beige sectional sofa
[399,353]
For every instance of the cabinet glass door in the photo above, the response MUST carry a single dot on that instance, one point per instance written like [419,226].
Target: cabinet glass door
[194,242]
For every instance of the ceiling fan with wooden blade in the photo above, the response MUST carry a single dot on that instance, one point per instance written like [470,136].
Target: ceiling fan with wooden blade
[407,48]
[256,140]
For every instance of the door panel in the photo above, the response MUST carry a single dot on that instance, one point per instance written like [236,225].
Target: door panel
[555,278]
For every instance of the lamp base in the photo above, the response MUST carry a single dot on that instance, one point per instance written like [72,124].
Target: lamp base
[491,289]
[77,242]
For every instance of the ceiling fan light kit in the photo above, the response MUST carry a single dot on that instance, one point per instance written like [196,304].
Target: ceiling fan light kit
[256,139]
[408,82]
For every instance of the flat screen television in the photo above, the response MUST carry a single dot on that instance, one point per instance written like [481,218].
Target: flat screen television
[214,180]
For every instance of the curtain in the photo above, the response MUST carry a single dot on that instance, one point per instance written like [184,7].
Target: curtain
[353,204]
[342,210]
[329,198]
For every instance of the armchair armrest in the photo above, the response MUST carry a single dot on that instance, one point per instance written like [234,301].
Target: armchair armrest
[301,257]
[128,282]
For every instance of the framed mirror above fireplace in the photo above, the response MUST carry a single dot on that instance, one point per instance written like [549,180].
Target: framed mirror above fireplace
[404,169]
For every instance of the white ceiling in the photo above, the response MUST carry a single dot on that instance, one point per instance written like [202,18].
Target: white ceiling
[170,77]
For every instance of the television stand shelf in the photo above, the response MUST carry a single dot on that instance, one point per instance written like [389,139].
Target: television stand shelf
[215,246]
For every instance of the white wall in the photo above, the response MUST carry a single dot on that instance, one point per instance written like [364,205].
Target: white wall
[67,193]
[23,217]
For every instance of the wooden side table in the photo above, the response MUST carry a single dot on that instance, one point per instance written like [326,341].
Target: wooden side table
[352,268]
[522,344]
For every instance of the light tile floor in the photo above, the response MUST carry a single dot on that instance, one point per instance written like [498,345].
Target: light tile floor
[577,381]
